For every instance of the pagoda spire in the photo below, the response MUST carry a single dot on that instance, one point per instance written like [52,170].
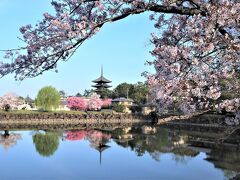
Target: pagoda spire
[101,82]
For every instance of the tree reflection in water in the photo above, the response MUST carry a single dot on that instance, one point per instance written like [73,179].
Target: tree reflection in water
[155,142]
[8,140]
[225,159]
[75,135]
[46,143]
[95,137]
[98,140]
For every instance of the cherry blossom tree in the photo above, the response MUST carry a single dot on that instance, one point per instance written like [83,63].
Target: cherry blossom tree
[95,102]
[193,53]
[77,103]
[10,101]
[106,102]
[195,45]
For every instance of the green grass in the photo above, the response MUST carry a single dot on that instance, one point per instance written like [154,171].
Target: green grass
[52,112]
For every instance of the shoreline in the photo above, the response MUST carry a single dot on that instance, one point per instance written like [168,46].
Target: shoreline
[60,118]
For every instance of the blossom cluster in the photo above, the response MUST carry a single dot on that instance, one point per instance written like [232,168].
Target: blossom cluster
[229,105]
[192,53]
[10,100]
[233,121]
[194,46]
[92,103]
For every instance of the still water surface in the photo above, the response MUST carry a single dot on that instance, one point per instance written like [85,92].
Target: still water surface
[123,153]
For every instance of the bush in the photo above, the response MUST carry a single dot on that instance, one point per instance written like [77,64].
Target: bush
[48,98]
[6,107]
[118,107]
[136,109]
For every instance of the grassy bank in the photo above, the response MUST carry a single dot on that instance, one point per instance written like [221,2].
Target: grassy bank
[16,112]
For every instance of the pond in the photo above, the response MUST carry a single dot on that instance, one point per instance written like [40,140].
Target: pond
[134,152]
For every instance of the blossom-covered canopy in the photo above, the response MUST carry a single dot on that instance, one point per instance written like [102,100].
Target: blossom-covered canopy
[197,44]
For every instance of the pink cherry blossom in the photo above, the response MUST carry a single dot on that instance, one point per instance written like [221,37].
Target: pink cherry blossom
[95,103]
[77,103]
[92,103]
[11,100]
[194,46]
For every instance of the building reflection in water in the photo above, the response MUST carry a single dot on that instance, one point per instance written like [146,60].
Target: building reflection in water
[98,139]
[155,142]
[151,140]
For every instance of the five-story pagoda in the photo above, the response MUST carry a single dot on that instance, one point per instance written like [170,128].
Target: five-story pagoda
[101,83]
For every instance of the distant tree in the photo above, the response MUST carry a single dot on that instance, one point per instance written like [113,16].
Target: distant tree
[105,93]
[106,102]
[88,92]
[78,95]
[10,101]
[48,98]
[123,90]
[95,103]
[46,144]
[77,103]
[139,93]
[63,94]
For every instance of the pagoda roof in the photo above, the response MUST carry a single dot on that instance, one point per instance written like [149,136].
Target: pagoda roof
[102,79]
[101,148]
[101,86]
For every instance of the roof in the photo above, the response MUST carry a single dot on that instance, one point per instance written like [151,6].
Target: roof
[101,85]
[149,105]
[28,99]
[122,99]
[102,79]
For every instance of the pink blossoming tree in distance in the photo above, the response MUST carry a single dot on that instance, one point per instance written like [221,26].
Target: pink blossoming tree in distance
[197,44]
[10,101]
[77,103]
[106,102]
[95,102]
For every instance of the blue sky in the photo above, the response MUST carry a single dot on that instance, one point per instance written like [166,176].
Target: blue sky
[121,47]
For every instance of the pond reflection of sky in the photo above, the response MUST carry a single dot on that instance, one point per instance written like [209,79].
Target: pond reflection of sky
[79,160]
